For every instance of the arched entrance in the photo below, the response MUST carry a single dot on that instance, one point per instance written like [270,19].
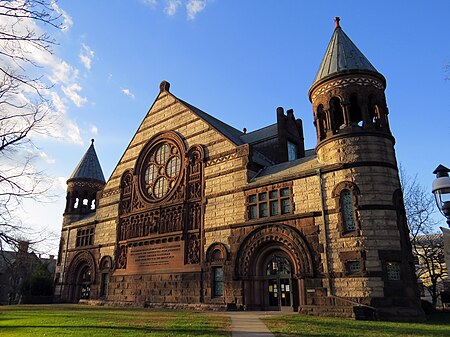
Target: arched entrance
[81,277]
[83,287]
[279,290]
[272,263]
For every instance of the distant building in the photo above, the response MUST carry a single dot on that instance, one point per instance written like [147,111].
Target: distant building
[429,253]
[200,214]
[16,267]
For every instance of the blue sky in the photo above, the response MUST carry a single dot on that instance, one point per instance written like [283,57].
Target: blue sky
[238,61]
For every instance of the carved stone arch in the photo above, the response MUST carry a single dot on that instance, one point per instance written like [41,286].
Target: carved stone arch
[126,181]
[217,252]
[106,263]
[336,109]
[345,185]
[126,188]
[80,260]
[197,149]
[282,237]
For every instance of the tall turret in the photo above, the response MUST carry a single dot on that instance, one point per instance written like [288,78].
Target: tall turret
[366,217]
[82,187]
[348,100]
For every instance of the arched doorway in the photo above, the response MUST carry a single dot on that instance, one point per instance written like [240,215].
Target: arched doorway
[81,276]
[84,284]
[278,275]
[272,263]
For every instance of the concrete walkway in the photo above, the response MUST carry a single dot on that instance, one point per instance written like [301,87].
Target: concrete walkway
[248,324]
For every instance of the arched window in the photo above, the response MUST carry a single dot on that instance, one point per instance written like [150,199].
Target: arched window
[374,111]
[322,122]
[345,195]
[105,267]
[355,111]
[337,114]
[348,213]
[278,265]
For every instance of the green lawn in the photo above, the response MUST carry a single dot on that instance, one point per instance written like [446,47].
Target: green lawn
[77,320]
[80,320]
[296,325]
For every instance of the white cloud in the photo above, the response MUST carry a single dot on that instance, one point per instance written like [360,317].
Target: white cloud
[128,93]
[86,56]
[193,7]
[44,156]
[172,7]
[94,130]
[151,3]
[67,20]
[72,92]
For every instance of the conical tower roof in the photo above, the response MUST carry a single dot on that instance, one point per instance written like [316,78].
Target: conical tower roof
[89,166]
[342,56]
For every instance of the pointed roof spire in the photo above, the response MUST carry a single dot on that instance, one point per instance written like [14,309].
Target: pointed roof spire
[89,166]
[342,56]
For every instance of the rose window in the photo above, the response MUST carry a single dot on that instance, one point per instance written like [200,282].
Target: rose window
[161,170]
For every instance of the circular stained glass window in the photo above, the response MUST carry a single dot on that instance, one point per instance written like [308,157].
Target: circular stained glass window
[161,169]
[173,167]
[150,174]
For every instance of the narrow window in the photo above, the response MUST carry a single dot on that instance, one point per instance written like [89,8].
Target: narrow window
[322,122]
[355,111]
[393,271]
[217,281]
[104,284]
[292,151]
[336,113]
[348,213]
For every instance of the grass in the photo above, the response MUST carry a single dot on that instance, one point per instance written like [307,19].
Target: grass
[80,320]
[76,320]
[296,325]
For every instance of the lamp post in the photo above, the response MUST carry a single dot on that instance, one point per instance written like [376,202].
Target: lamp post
[441,191]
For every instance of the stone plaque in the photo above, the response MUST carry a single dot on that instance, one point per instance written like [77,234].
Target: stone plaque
[149,258]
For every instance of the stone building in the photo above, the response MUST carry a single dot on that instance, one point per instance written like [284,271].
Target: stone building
[198,213]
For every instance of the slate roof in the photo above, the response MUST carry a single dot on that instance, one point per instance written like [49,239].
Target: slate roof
[269,131]
[227,130]
[289,168]
[342,56]
[89,166]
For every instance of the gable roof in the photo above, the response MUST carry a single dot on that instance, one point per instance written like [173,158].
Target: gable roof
[230,132]
[342,56]
[89,166]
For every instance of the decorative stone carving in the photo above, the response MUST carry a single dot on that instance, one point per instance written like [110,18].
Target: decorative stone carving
[193,253]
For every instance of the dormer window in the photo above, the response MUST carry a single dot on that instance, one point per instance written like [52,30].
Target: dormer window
[292,151]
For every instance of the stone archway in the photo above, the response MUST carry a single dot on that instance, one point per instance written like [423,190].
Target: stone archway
[80,277]
[265,245]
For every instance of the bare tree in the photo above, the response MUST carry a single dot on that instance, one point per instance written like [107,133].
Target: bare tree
[427,244]
[24,107]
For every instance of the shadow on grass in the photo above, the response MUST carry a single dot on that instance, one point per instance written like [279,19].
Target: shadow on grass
[290,326]
[91,329]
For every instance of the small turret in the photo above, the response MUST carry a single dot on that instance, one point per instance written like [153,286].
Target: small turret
[82,186]
[348,92]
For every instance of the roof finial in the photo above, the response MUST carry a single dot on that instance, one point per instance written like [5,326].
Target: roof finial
[337,19]
[164,86]
[92,141]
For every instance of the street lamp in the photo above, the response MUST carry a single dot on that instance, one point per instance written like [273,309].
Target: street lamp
[441,191]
